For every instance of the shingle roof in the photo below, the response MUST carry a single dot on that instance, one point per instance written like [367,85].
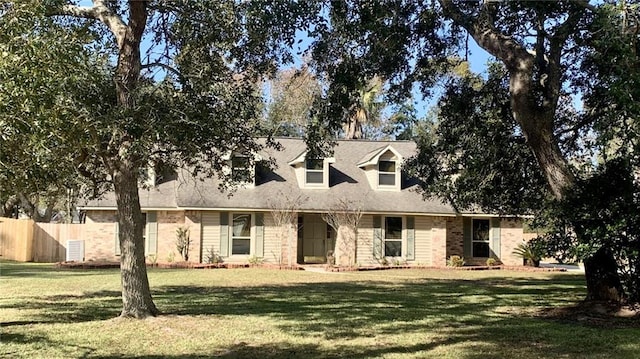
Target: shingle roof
[347,182]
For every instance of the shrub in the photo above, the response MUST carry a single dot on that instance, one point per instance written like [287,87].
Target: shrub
[183,242]
[153,259]
[254,261]
[455,261]
[531,253]
[331,259]
[491,262]
[212,256]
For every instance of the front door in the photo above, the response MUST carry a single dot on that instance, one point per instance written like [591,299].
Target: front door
[314,236]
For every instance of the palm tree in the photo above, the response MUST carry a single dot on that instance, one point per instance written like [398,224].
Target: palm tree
[367,109]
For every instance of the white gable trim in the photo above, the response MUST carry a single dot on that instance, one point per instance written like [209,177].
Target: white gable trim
[376,157]
[303,157]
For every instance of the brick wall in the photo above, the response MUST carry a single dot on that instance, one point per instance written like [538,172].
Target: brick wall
[193,220]
[100,236]
[511,235]
[346,247]
[168,223]
[455,237]
[440,241]
[288,241]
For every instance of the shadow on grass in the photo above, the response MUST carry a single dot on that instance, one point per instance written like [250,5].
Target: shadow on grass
[100,305]
[484,315]
[336,309]
[288,350]
[9,269]
[348,310]
[31,339]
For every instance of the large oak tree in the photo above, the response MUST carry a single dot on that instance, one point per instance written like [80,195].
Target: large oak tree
[108,87]
[543,47]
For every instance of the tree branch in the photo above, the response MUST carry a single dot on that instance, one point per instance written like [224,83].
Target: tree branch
[100,12]
[164,66]
[487,36]
[557,42]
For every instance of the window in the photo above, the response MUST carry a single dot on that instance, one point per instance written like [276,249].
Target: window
[146,229]
[240,171]
[387,173]
[480,238]
[241,234]
[393,236]
[314,171]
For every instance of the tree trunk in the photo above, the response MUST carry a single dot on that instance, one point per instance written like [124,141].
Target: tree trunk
[603,281]
[353,129]
[8,206]
[136,295]
[120,158]
[534,107]
[545,148]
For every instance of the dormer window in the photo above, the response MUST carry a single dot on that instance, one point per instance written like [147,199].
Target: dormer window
[240,169]
[387,173]
[382,168]
[314,172]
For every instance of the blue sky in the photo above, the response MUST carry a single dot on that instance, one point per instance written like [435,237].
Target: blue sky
[477,61]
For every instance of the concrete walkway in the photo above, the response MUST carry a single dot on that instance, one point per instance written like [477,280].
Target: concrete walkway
[568,267]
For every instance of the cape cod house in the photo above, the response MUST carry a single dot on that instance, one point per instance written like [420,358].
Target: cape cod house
[397,225]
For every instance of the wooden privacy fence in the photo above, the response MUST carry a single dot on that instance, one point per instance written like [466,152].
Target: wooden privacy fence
[16,239]
[25,240]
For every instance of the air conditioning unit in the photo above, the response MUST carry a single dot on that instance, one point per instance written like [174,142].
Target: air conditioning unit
[75,251]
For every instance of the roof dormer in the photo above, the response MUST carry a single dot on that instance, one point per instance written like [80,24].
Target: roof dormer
[311,172]
[241,168]
[382,168]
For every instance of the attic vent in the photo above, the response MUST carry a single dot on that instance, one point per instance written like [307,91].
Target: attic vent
[75,250]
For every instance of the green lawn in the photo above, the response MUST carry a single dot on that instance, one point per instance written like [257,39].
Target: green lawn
[261,313]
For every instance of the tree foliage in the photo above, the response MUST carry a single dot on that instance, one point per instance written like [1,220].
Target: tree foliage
[89,99]
[292,94]
[544,49]
[475,154]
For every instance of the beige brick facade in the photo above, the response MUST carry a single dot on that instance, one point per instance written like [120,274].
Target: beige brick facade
[440,241]
[436,239]
[100,236]
[511,235]
[455,237]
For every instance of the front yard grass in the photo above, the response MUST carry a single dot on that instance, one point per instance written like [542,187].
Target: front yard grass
[261,313]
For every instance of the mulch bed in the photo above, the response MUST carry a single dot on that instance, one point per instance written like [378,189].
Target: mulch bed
[594,314]
[173,265]
[464,268]
[191,265]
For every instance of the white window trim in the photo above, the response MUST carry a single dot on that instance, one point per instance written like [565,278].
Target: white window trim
[403,236]
[299,165]
[324,170]
[145,233]
[490,236]
[252,235]
[395,173]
